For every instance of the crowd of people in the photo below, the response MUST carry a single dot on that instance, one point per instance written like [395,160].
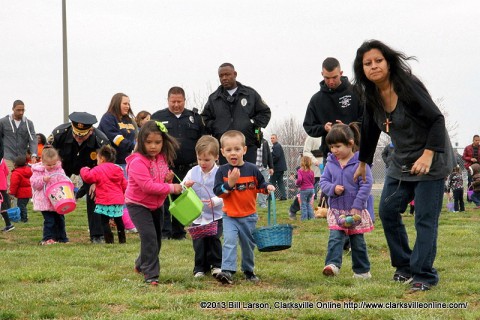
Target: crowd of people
[137,165]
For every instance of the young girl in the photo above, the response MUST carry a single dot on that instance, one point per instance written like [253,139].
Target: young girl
[455,184]
[20,186]
[149,183]
[306,183]
[109,193]
[347,216]
[208,250]
[44,174]
[5,198]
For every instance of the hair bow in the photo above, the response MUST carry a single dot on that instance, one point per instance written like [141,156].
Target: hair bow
[161,126]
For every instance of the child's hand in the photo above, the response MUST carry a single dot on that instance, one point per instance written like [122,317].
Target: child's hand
[270,188]
[189,183]
[233,176]
[177,188]
[46,178]
[169,176]
[339,190]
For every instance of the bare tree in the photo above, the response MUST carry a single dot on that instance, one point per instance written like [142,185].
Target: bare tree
[289,131]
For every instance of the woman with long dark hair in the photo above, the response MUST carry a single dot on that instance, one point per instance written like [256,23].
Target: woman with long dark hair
[398,104]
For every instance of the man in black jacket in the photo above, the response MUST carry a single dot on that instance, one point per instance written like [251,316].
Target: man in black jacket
[234,106]
[187,127]
[334,103]
[279,167]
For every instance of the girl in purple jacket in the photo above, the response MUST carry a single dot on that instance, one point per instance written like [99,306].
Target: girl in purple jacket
[149,183]
[306,182]
[347,215]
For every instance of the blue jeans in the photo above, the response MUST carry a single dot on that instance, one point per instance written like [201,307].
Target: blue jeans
[238,230]
[306,206]
[54,226]
[476,198]
[360,261]
[262,198]
[428,196]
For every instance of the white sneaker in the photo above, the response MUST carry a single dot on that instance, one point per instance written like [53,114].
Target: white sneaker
[134,230]
[199,274]
[216,271]
[331,270]
[366,275]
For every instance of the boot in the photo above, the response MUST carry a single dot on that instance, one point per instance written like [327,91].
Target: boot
[108,237]
[121,237]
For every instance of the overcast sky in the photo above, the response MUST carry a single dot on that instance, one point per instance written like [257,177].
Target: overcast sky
[143,48]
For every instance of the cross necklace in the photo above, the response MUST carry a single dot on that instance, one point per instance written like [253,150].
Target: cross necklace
[388,115]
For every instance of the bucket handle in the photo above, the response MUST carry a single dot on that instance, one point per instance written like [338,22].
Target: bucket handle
[184,188]
[272,208]
[55,174]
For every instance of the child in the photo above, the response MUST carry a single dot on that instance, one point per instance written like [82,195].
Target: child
[20,186]
[208,250]
[475,173]
[306,183]
[455,184]
[149,183]
[47,172]
[109,192]
[5,198]
[347,216]
[238,183]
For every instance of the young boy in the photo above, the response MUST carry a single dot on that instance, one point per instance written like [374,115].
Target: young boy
[20,186]
[238,183]
[208,250]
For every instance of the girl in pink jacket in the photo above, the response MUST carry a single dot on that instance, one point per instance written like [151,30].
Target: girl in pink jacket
[110,185]
[45,173]
[149,183]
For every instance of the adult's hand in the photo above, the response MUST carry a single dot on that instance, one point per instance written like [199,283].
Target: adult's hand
[361,172]
[423,164]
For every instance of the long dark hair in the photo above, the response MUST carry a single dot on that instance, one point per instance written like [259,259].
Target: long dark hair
[401,75]
[114,107]
[169,146]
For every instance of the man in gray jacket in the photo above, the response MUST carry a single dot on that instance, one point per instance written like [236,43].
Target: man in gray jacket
[18,134]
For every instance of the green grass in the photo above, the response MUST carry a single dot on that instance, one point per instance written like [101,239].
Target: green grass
[80,280]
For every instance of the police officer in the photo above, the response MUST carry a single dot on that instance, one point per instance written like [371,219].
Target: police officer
[77,143]
[187,127]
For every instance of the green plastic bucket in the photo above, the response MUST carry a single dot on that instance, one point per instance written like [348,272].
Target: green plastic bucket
[187,207]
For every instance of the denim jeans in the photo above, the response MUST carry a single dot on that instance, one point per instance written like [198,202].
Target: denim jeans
[238,230]
[262,198]
[428,196]
[336,240]
[22,204]
[54,226]
[306,205]
[476,198]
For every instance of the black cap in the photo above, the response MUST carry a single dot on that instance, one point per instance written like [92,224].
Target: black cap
[82,122]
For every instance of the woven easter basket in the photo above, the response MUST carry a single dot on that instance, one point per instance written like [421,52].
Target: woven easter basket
[274,237]
[204,230]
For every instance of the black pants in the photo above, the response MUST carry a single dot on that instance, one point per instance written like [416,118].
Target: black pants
[94,220]
[22,205]
[106,224]
[208,251]
[458,204]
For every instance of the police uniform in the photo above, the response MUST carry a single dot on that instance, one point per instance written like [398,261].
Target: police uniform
[187,129]
[75,156]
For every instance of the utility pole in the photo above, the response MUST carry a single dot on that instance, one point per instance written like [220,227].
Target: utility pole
[65,63]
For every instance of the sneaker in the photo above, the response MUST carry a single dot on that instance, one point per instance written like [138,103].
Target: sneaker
[225,277]
[419,286]
[331,270]
[250,276]
[292,216]
[263,206]
[366,275]
[48,242]
[97,240]
[398,277]
[133,230]
[152,282]
[216,271]
[199,274]
[8,228]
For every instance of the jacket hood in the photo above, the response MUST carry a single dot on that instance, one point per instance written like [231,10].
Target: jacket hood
[40,168]
[331,158]
[344,85]
[25,171]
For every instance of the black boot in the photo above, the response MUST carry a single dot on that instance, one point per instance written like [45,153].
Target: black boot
[121,237]
[108,237]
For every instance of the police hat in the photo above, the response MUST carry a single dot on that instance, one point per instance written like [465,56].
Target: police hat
[82,122]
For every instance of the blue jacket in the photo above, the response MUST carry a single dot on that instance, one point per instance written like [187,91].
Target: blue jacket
[120,133]
[355,194]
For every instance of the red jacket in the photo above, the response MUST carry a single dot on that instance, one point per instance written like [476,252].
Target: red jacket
[468,155]
[110,183]
[20,186]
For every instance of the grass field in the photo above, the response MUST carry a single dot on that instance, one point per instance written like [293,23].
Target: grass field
[80,280]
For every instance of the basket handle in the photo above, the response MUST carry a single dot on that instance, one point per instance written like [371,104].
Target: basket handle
[272,208]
